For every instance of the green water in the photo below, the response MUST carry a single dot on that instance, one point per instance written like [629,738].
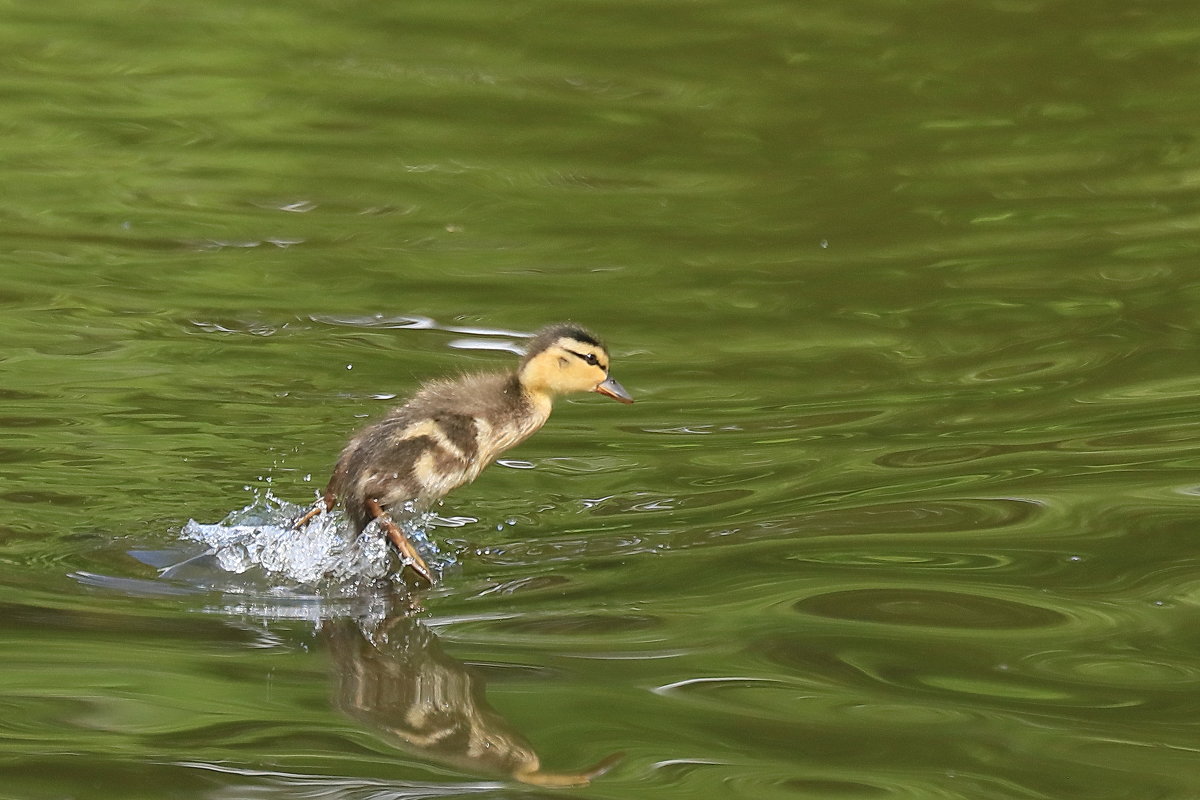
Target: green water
[907,294]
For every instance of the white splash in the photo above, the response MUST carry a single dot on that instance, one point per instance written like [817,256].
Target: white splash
[326,551]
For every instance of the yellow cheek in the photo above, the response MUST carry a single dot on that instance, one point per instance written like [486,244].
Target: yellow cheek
[581,379]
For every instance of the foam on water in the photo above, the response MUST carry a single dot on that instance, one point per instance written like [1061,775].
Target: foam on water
[325,552]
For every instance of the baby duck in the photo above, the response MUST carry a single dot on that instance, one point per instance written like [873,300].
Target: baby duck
[450,430]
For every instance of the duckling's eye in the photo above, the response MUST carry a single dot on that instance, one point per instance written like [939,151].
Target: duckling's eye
[588,358]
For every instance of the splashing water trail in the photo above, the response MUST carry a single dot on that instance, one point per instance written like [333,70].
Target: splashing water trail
[326,551]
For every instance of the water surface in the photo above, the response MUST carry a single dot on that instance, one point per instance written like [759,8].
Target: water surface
[907,295]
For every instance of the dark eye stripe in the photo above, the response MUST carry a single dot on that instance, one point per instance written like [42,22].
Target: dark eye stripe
[589,358]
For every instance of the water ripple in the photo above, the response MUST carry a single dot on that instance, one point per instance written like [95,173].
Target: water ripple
[909,559]
[1122,670]
[928,516]
[930,608]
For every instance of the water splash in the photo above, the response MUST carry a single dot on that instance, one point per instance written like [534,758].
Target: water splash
[326,552]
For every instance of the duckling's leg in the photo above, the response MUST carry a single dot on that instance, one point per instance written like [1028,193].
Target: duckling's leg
[397,537]
[328,500]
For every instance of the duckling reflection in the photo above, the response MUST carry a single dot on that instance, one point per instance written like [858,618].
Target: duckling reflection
[395,678]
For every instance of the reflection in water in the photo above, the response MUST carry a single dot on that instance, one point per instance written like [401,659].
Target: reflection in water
[391,673]
[394,676]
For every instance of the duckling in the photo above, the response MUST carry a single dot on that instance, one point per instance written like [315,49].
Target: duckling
[451,429]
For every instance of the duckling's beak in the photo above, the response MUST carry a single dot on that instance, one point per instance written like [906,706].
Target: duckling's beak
[614,390]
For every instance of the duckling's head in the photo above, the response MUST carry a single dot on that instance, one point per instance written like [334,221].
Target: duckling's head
[566,358]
